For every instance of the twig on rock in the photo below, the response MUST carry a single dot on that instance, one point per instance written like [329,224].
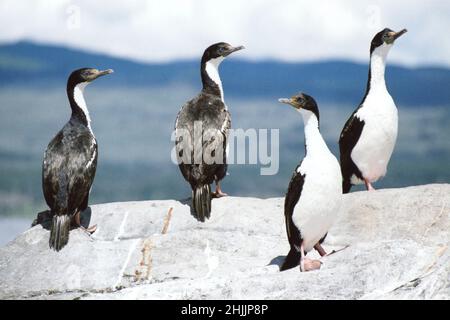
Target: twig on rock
[167,221]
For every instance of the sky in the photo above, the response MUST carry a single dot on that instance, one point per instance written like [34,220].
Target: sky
[289,30]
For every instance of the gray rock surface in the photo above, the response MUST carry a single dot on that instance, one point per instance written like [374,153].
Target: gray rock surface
[397,249]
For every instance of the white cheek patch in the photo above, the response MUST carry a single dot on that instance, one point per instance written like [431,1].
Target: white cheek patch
[212,69]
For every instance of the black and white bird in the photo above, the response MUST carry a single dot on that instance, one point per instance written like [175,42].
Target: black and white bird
[201,129]
[368,138]
[70,162]
[314,194]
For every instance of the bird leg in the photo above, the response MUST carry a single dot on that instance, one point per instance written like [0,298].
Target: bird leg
[89,230]
[320,250]
[307,264]
[218,193]
[369,186]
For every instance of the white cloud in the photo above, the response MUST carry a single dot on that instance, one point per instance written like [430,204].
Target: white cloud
[288,30]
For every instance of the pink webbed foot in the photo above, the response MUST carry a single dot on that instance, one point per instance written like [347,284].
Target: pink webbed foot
[307,264]
[219,193]
[90,230]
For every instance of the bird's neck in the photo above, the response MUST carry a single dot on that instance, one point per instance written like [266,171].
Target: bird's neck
[80,111]
[211,78]
[314,142]
[377,68]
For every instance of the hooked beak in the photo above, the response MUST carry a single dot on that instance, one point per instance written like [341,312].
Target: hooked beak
[396,35]
[399,34]
[233,49]
[103,72]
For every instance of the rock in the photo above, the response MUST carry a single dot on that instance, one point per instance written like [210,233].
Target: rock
[397,249]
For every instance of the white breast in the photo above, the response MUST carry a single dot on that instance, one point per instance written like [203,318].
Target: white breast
[321,196]
[374,148]
[320,200]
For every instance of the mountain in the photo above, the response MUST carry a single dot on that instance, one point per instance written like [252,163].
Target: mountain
[31,64]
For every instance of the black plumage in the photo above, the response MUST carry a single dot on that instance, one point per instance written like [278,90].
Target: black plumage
[292,196]
[66,177]
[211,111]
[349,137]
[70,163]
[208,113]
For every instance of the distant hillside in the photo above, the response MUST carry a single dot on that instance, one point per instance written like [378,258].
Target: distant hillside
[30,64]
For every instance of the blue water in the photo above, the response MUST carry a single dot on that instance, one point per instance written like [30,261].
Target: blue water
[133,129]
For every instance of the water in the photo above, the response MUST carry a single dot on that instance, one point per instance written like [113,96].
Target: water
[10,227]
[133,128]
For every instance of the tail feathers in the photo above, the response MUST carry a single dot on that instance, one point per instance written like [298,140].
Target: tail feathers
[201,201]
[292,260]
[59,233]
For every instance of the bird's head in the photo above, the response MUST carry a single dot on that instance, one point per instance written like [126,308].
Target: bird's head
[220,51]
[86,75]
[385,37]
[302,101]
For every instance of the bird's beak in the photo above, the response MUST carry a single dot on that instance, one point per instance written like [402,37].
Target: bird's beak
[104,72]
[289,101]
[233,49]
[285,100]
[396,35]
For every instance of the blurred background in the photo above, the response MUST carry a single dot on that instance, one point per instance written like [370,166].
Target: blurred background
[320,47]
